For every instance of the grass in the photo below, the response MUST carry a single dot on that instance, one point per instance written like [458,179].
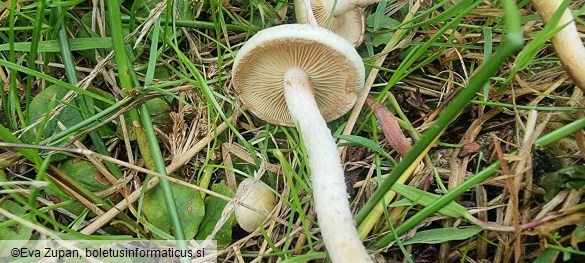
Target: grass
[145,101]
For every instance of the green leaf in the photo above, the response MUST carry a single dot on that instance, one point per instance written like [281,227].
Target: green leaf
[189,205]
[86,174]
[86,31]
[383,22]
[568,177]
[68,116]
[183,9]
[213,212]
[75,44]
[159,110]
[440,235]
[382,35]
[16,231]
[578,235]
[425,198]
[56,195]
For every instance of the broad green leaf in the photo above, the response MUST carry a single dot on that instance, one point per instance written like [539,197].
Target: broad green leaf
[159,110]
[182,8]
[213,211]
[109,129]
[41,75]
[383,24]
[189,205]
[68,116]
[568,177]
[85,31]
[425,198]
[57,196]
[86,174]
[441,235]
[578,235]
[16,231]
[13,232]
[386,22]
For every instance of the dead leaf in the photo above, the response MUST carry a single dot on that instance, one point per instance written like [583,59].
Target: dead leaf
[390,126]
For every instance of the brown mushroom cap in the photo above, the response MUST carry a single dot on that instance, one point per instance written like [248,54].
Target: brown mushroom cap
[334,67]
[349,25]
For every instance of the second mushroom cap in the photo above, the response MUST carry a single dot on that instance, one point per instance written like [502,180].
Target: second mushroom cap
[334,68]
[349,25]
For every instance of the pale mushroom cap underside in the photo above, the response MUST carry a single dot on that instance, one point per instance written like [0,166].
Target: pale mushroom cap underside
[334,68]
[349,25]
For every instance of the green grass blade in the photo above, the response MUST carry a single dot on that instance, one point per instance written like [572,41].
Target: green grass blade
[511,43]
[36,36]
[53,80]
[473,181]
[75,44]
[366,143]
[424,198]
[441,235]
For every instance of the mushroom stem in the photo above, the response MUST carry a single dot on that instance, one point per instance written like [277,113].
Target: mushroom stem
[566,42]
[344,6]
[328,181]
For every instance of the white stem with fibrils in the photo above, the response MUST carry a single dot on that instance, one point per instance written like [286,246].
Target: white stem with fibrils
[328,181]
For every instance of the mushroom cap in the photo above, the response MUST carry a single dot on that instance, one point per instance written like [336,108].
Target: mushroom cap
[334,67]
[260,197]
[349,25]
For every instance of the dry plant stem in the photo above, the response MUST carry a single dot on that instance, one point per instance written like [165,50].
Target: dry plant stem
[227,162]
[328,181]
[302,239]
[459,165]
[84,201]
[504,250]
[566,42]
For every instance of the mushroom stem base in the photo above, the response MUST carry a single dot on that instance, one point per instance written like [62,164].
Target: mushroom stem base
[328,181]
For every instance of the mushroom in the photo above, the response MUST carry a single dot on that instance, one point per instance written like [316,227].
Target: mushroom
[307,75]
[259,197]
[567,42]
[348,24]
[345,17]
